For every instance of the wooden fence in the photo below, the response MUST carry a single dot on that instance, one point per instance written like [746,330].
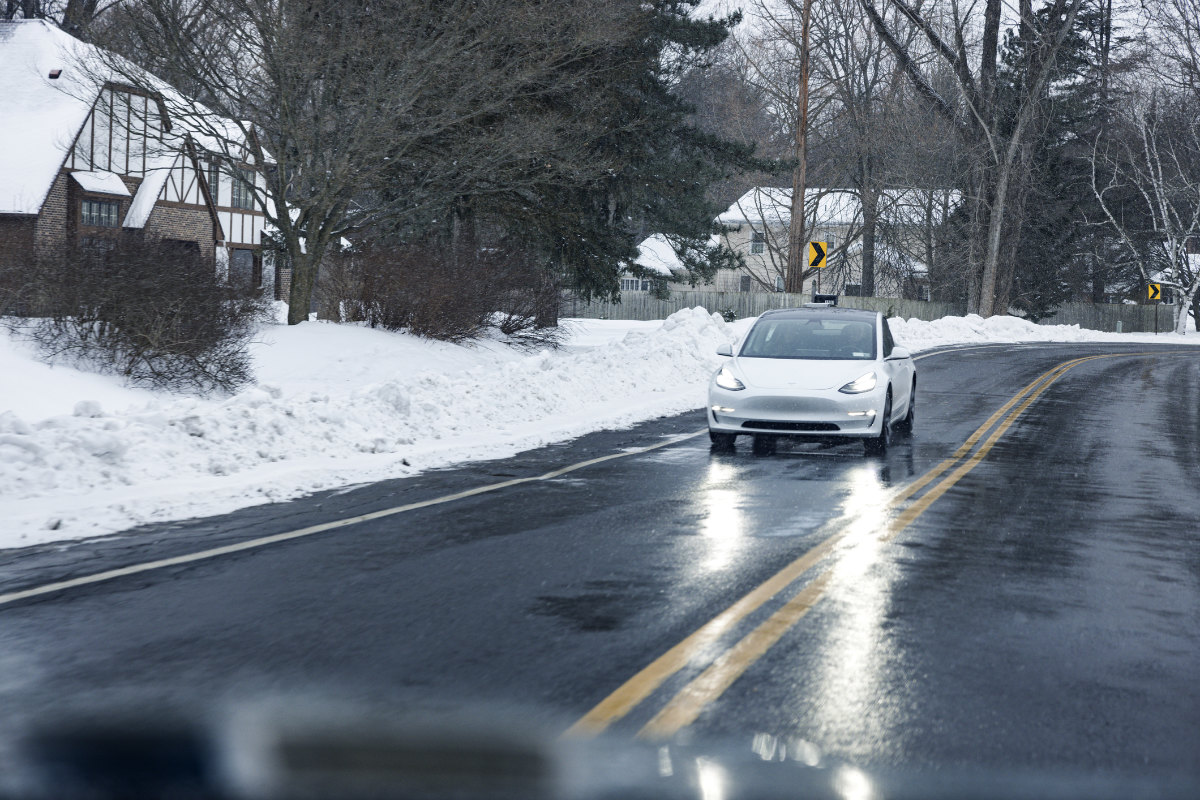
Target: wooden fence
[644,306]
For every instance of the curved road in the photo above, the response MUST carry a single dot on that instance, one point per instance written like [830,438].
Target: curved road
[1017,585]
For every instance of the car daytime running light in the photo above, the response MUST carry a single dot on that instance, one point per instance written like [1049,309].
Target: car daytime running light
[726,380]
[864,383]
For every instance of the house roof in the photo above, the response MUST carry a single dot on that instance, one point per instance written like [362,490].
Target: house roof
[39,117]
[656,255]
[102,182]
[772,206]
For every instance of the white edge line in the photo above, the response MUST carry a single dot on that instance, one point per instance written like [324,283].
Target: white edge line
[253,544]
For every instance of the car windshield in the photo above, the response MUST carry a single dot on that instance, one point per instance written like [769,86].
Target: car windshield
[811,337]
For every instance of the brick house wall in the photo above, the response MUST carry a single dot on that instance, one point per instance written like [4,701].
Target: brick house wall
[16,237]
[51,228]
[16,247]
[184,224]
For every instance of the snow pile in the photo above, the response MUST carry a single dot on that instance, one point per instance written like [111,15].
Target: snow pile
[334,405]
[918,335]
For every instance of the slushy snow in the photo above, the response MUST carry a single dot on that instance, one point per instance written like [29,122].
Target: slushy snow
[334,405]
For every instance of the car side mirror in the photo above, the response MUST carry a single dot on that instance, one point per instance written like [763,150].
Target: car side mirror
[899,352]
[725,350]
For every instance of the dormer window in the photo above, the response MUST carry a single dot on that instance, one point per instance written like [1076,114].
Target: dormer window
[99,213]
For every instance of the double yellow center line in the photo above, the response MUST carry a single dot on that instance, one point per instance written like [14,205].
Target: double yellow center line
[682,709]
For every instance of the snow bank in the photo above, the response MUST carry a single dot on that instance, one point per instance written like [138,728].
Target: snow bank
[334,405]
[918,335]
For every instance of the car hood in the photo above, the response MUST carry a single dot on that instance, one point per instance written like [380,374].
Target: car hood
[800,374]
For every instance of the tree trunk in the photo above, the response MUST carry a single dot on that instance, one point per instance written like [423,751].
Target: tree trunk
[870,209]
[797,261]
[304,273]
[991,256]
[974,243]
[1005,284]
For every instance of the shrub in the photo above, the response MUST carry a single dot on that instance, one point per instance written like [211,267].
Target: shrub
[443,293]
[155,313]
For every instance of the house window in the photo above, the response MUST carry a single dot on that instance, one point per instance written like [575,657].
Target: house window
[758,243]
[853,290]
[645,286]
[214,182]
[241,269]
[630,284]
[99,213]
[779,283]
[243,193]
[745,284]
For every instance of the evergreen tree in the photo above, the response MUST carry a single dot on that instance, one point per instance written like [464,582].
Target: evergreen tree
[1054,252]
[583,168]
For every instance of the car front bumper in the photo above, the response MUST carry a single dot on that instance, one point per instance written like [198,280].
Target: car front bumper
[813,414]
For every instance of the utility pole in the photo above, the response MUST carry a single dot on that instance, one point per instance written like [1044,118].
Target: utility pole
[797,252]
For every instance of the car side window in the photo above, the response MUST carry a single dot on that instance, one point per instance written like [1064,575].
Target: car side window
[888,341]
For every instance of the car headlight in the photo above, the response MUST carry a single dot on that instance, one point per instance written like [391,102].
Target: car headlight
[859,385]
[727,380]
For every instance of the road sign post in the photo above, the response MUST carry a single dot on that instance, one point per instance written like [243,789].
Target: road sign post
[1154,293]
[817,252]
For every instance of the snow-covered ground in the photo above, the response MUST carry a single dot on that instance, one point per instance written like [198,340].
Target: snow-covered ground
[82,455]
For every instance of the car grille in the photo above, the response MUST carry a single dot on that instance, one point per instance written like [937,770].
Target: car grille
[768,425]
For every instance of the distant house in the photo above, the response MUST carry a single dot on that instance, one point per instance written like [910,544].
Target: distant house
[656,260]
[85,160]
[757,228]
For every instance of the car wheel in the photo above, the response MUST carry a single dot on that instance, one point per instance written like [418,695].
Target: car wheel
[905,426]
[878,445]
[764,445]
[722,441]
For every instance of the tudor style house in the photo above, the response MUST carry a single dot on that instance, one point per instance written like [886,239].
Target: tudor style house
[86,160]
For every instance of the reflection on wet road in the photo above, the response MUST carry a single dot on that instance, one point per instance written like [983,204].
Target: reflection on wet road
[1018,584]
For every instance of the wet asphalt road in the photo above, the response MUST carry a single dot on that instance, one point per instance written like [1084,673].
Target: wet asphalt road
[1044,611]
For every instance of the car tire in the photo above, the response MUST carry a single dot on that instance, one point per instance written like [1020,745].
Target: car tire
[878,445]
[722,441]
[764,445]
[905,426]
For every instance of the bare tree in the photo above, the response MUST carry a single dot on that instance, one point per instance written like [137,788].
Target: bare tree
[1176,28]
[1146,177]
[779,53]
[995,133]
[75,16]
[332,101]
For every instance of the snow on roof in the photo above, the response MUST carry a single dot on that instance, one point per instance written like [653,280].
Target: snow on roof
[103,182]
[39,116]
[148,193]
[656,254]
[772,206]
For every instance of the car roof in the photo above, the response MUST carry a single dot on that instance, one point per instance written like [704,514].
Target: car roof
[824,311]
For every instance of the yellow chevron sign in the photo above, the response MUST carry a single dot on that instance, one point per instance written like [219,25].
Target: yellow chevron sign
[816,254]
[1156,291]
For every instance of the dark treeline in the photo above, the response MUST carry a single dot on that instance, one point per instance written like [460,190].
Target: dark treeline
[546,131]
[1051,148]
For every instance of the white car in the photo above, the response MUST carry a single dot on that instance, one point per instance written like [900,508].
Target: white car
[817,372]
